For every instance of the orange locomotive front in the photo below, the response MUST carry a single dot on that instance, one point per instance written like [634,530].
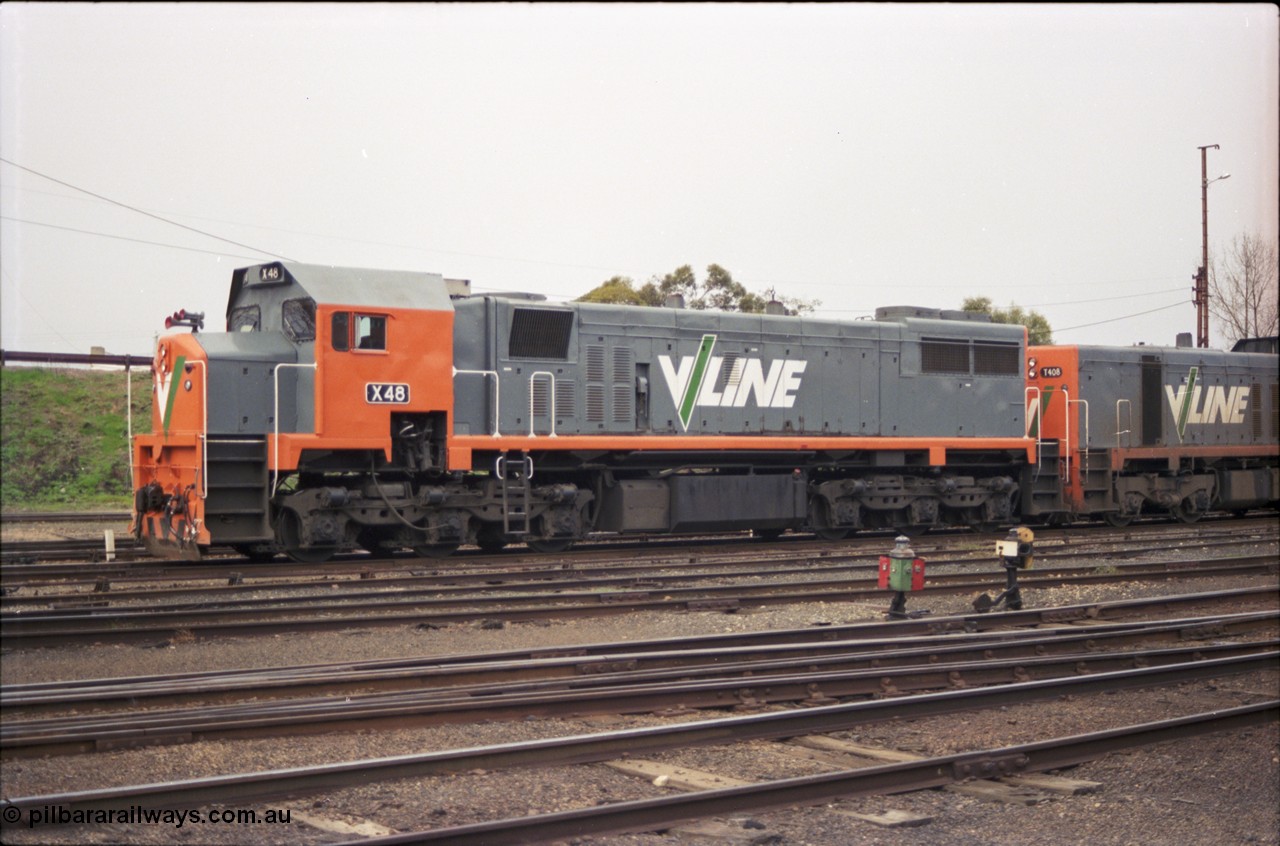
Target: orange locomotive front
[299,387]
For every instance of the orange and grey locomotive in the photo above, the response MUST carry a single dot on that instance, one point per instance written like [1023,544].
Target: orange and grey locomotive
[349,409]
[1126,431]
[346,409]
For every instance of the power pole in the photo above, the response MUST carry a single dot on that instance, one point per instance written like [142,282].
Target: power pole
[1201,289]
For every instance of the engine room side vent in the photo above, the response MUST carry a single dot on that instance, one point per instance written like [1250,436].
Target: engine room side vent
[942,356]
[540,333]
[622,365]
[993,359]
[1255,411]
[1275,410]
[564,399]
[622,399]
[595,364]
[595,403]
[539,403]
[730,371]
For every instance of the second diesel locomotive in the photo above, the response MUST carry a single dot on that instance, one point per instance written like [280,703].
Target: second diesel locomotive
[348,409]
[1130,430]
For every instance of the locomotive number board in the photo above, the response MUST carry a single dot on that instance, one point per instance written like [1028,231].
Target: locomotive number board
[382,393]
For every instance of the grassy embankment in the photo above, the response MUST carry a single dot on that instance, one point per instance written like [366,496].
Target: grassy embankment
[63,437]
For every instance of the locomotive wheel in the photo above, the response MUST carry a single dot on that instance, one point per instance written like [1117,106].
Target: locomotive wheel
[821,523]
[289,530]
[1186,512]
[1117,520]
[491,539]
[549,545]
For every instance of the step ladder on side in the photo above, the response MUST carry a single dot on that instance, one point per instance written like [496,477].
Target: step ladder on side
[236,508]
[514,473]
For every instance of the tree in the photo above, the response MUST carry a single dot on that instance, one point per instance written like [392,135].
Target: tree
[720,291]
[619,289]
[1242,291]
[1038,329]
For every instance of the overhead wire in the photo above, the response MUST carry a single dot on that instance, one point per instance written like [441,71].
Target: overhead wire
[1122,317]
[472,255]
[141,211]
[124,238]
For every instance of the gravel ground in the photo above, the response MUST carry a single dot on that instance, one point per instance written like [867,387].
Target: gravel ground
[1220,789]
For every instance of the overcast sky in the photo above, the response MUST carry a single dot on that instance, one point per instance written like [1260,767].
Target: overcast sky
[860,155]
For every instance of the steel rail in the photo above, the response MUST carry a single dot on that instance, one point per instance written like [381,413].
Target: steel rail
[124,621]
[20,633]
[63,517]
[492,592]
[623,694]
[543,579]
[664,812]
[1129,543]
[243,788]
[483,673]
[889,635]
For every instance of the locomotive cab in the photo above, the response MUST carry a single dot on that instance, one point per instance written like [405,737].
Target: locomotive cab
[322,375]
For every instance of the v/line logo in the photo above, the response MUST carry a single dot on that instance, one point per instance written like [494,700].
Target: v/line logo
[693,381]
[1195,404]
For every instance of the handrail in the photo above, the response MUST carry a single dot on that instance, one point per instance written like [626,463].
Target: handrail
[552,404]
[1128,431]
[500,464]
[1084,445]
[1027,395]
[275,419]
[128,418]
[496,415]
[1066,430]
[204,426]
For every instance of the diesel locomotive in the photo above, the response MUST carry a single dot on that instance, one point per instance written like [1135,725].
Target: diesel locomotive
[345,409]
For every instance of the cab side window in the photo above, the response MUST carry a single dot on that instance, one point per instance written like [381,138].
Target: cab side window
[341,331]
[358,331]
[371,332]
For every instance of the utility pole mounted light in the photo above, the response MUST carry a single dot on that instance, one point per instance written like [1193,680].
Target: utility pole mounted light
[1201,278]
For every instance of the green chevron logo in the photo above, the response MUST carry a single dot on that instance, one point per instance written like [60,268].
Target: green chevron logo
[1037,410]
[163,392]
[691,389]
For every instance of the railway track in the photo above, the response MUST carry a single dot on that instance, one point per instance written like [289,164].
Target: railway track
[69,586]
[99,577]
[686,676]
[18,557]
[272,615]
[239,789]
[771,681]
